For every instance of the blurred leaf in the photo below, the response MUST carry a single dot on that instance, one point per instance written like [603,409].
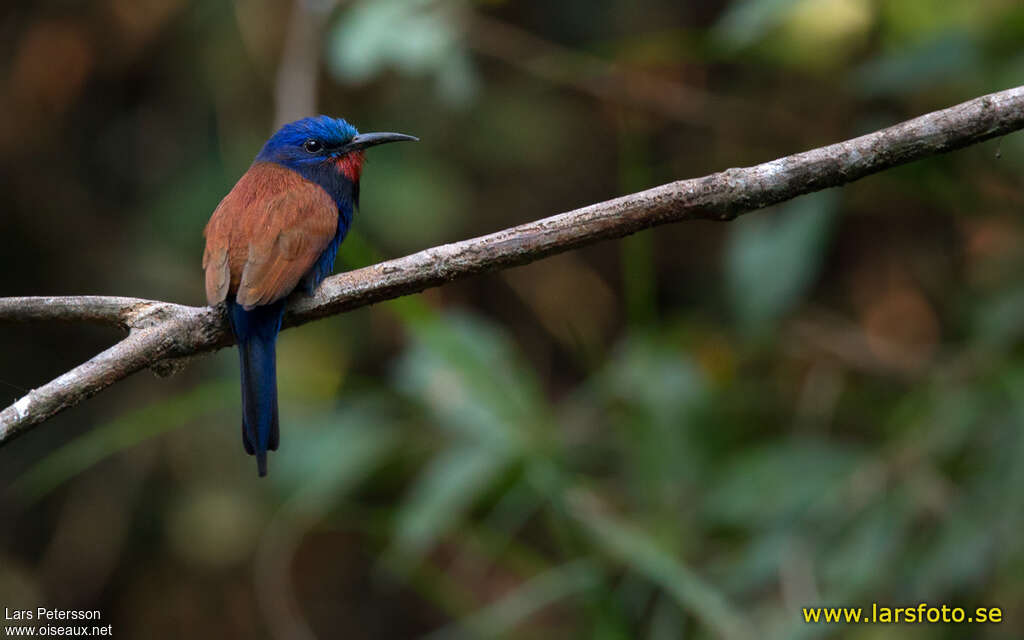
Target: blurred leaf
[337,451]
[776,483]
[441,495]
[757,563]
[958,557]
[511,511]
[643,555]
[821,34]
[747,21]
[946,59]
[534,595]
[772,260]
[857,562]
[416,37]
[649,393]
[123,433]
[813,34]
[466,372]
[655,375]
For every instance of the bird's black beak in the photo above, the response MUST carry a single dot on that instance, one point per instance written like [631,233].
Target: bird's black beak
[367,140]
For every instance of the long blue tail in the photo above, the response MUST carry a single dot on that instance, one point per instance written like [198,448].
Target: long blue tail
[256,332]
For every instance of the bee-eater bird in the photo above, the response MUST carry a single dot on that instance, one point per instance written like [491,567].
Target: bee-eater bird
[279,228]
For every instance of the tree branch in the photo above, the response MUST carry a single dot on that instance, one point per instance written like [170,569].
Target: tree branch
[161,333]
[126,313]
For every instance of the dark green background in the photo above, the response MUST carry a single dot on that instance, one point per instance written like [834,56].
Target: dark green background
[690,433]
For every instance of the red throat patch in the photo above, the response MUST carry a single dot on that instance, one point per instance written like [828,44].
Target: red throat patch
[350,165]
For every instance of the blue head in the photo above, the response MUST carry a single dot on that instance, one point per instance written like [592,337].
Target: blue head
[308,142]
[327,151]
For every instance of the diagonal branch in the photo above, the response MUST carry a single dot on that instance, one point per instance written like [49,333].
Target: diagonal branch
[162,333]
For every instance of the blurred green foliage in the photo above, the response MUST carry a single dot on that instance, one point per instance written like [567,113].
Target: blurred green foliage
[415,37]
[691,433]
[770,263]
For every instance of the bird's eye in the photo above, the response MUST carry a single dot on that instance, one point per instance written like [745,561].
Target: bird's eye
[312,146]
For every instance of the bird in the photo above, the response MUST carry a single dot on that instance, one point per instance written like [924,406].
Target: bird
[278,230]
